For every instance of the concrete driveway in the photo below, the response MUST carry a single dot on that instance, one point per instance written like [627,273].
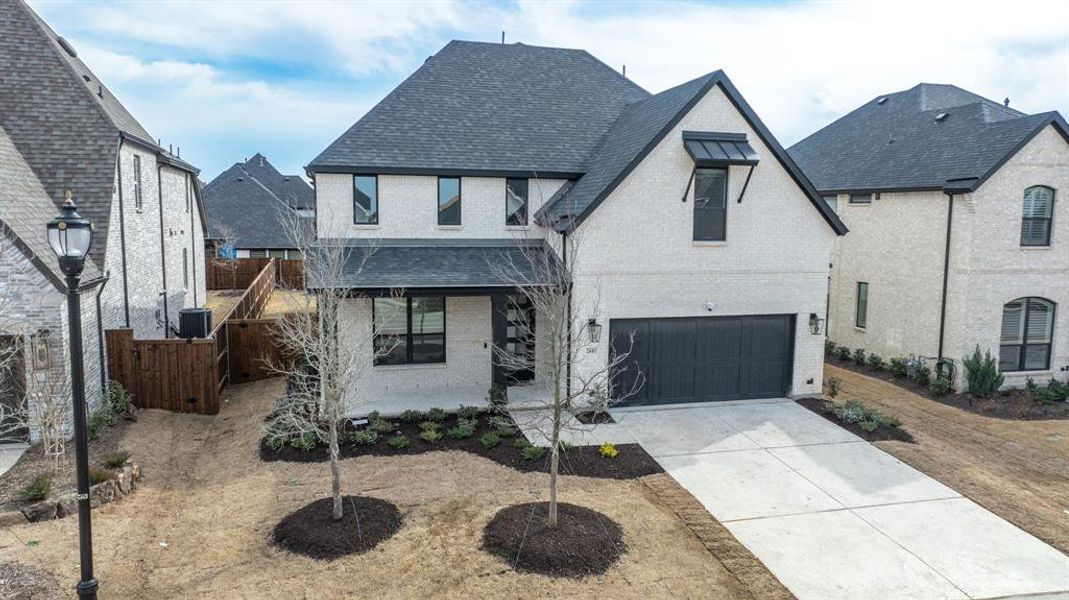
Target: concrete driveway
[831,515]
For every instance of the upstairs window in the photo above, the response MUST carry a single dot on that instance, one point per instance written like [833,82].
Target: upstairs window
[860,198]
[409,330]
[189,194]
[365,200]
[185,267]
[861,307]
[710,205]
[449,201]
[515,202]
[138,202]
[1036,217]
[1027,328]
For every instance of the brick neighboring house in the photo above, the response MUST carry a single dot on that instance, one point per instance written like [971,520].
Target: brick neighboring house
[699,233]
[63,130]
[253,206]
[959,229]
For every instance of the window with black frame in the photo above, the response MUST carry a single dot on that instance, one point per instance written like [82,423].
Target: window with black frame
[710,205]
[515,202]
[449,201]
[1036,216]
[365,200]
[409,330]
[1027,331]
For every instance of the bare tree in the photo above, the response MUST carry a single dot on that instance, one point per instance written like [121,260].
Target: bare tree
[14,417]
[321,370]
[538,272]
[49,394]
[227,239]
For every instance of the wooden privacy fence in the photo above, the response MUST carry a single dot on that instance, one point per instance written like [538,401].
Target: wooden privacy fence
[188,375]
[238,273]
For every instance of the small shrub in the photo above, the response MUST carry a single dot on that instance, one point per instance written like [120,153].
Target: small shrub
[876,362]
[371,416]
[98,420]
[304,442]
[468,412]
[397,442]
[922,374]
[36,490]
[364,437]
[831,386]
[940,385]
[412,416]
[531,452]
[1055,392]
[859,357]
[608,450]
[1030,384]
[117,398]
[1061,390]
[116,459]
[890,421]
[497,397]
[868,426]
[382,426]
[844,353]
[829,347]
[520,442]
[98,475]
[855,411]
[430,435]
[899,368]
[276,442]
[489,440]
[436,414]
[430,426]
[981,373]
[505,430]
[465,428]
[851,412]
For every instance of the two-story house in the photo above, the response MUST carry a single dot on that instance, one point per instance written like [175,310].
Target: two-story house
[958,239]
[257,210]
[63,130]
[699,234]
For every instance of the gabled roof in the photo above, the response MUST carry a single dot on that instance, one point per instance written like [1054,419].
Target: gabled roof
[26,210]
[63,120]
[255,203]
[918,139]
[491,108]
[639,129]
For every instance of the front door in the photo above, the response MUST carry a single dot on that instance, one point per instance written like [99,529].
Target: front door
[521,339]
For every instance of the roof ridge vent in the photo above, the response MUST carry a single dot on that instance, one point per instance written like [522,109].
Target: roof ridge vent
[941,117]
[882,100]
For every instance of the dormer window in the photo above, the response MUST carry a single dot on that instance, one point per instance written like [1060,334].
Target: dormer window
[1036,216]
[515,202]
[365,200]
[449,201]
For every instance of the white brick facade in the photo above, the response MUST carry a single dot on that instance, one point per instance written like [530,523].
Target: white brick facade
[897,245]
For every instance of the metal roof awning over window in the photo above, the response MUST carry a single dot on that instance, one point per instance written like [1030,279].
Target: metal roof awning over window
[714,149]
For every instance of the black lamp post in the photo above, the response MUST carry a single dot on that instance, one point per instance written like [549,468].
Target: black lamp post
[70,237]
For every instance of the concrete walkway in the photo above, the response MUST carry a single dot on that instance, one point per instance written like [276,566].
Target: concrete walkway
[831,515]
[9,455]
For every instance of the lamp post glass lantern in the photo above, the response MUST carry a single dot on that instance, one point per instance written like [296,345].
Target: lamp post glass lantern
[71,237]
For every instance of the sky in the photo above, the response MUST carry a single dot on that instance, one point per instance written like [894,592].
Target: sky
[225,79]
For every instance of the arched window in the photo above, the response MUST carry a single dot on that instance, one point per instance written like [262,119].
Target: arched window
[1035,221]
[1027,327]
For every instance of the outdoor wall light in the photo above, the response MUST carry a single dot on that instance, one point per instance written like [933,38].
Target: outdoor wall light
[816,324]
[594,329]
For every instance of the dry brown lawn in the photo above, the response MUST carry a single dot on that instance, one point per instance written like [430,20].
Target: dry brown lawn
[1017,469]
[221,301]
[198,526]
[283,302]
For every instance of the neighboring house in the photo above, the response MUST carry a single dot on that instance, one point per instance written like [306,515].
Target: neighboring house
[487,146]
[62,130]
[959,229]
[255,209]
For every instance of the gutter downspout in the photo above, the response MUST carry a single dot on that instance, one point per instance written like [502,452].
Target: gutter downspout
[163,254]
[191,194]
[100,337]
[946,275]
[568,367]
[122,236]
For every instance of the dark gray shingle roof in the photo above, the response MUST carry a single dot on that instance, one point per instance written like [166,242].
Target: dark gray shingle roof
[896,142]
[489,107]
[256,204]
[414,264]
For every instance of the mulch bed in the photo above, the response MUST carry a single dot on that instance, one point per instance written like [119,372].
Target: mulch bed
[33,462]
[312,531]
[1008,404]
[585,461]
[584,542]
[594,417]
[824,408]
[19,582]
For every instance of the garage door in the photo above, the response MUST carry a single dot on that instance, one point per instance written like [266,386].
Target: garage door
[703,359]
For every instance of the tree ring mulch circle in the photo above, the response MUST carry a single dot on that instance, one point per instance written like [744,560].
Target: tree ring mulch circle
[312,531]
[584,542]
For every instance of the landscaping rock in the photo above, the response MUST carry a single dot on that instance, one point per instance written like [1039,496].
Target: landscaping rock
[102,493]
[125,482]
[66,506]
[11,518]
[41,511]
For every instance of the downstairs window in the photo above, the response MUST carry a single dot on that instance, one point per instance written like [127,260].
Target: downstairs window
[1027,329]
[409,331]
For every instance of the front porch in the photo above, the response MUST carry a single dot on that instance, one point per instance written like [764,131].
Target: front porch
[391,403]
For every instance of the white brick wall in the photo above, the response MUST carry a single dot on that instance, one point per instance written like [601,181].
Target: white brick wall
[408,207]
[637,253]
[897,245]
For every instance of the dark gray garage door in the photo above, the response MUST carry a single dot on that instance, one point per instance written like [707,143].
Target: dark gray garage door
[704,359]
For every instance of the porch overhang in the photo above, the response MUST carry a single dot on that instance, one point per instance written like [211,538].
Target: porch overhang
[716,149]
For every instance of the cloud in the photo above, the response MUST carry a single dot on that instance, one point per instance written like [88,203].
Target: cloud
[286,78]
